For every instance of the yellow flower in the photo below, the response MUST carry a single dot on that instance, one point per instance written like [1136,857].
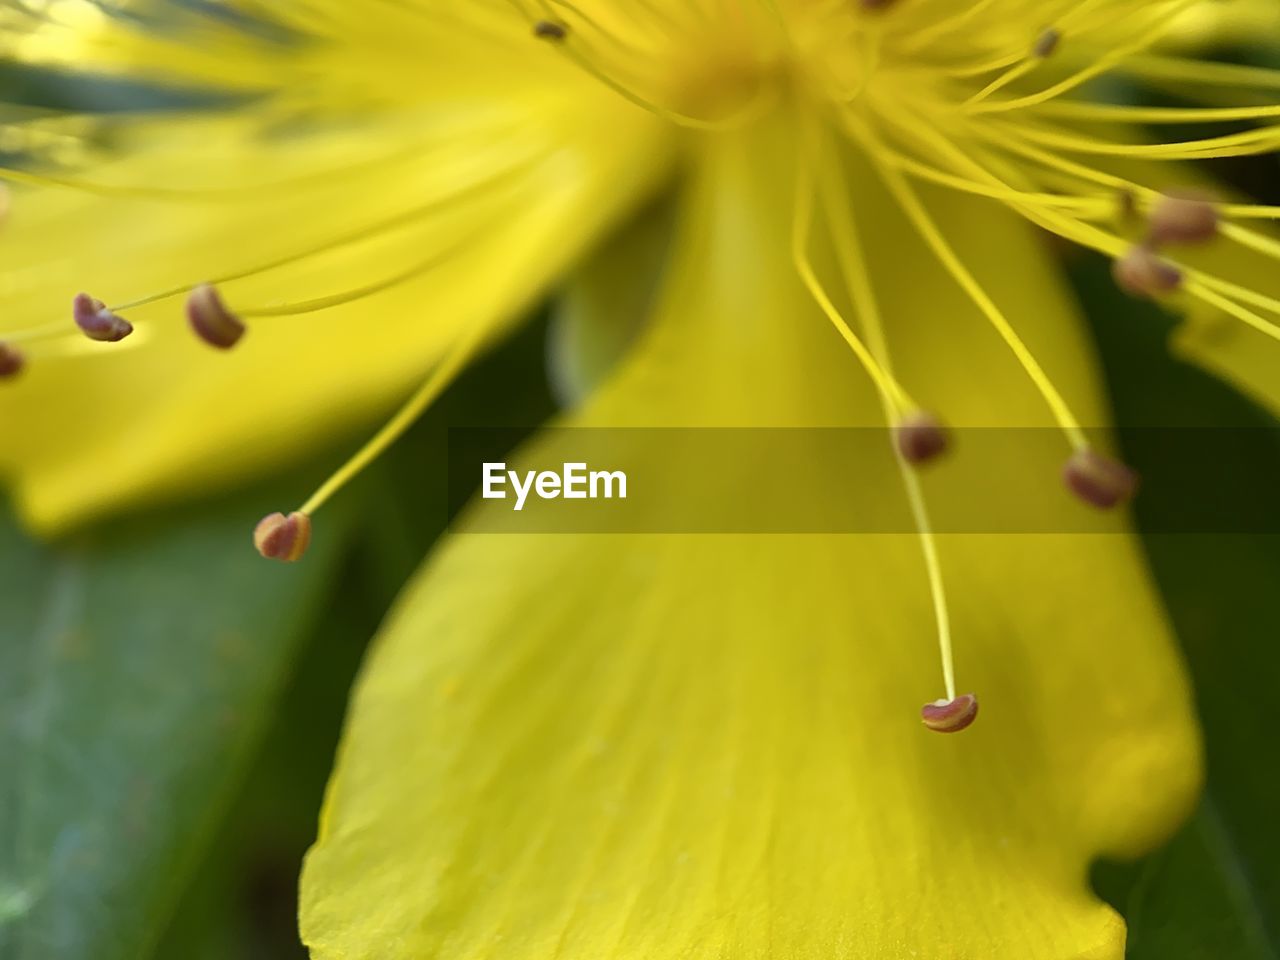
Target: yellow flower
[602,746]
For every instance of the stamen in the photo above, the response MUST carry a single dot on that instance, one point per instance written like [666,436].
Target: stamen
[950,716]
[282,538]
[1098,480]
[1245,143]
[1200,285]
[1140,273]
[1127,207]
[405,417]
[97,322]
[1197,72]
[550,30]
[1151,274]
[800,227]
[1094,207]
[1019,71]
[1201,290]
[210,319]
[1185,217]
[1146,38]
[921,438]
[1124,113]
[927,228]
[11,361]
[946,25]
[506,175]
[749,111]
[1047,44]
[857,280]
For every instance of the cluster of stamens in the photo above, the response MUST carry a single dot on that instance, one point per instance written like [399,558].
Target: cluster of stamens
[984,151]
[950,93]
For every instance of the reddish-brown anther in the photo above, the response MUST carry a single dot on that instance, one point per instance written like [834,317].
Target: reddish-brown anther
[210,319]
[97,322]
[1143,274]
[1046,44]
[550,30]
[1185,217]
[11,361]
[921,438]
[950,716]
[1098,480]
[282,538]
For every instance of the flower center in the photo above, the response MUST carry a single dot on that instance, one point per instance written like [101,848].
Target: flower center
[714,61]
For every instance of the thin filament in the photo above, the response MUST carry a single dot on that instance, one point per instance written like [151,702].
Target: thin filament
[910,203]
[801,225]
[444,373]
[857,277]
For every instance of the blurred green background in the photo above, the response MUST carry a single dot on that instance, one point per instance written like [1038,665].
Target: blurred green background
[169,705]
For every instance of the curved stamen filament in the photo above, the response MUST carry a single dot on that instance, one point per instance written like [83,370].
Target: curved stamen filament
[488,186]
[928,230]
[1080,17]
[1053,161]
[1244,143]
[407,218]
[584,61]
[316,304]
[1160,67]
[857,278]
[413,152]
[1124,113]
[1162,21]
[1212,290]
[940,28]
[623,46]
[802,220]
[1002,81]
[1247,211]
[421,267]
[985,66]
[1084,207]
[458,356]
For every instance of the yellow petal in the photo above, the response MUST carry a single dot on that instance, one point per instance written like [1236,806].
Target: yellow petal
[476,201]
[1242,357]
[1225,345]
[1231,21]
[604,303]
[671,746]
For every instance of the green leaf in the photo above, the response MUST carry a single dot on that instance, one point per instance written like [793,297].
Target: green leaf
[242,902]
[136,669]
[1214,892]
[1197,898]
